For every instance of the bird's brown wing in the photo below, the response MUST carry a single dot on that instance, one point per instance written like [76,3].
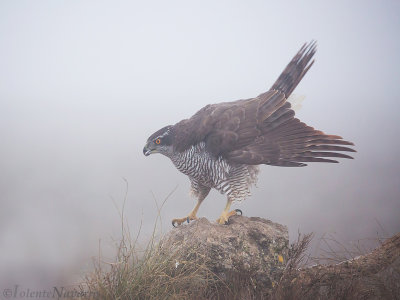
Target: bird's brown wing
[261,130]
[287,142]
[221,126]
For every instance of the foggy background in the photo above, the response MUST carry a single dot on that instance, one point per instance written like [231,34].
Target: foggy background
[84,83]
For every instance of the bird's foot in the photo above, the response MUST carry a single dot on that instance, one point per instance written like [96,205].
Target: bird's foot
[224,218]
[178,222]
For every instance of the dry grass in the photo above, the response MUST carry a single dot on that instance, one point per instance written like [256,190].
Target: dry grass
[297,258]
[154,274]
[150,273]
[337,274]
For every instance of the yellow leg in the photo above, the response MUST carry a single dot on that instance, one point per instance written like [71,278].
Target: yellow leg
[190,216]
[226,214]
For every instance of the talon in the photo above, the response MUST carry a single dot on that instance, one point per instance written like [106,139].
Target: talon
[224,218]
[239,211]
[178,222]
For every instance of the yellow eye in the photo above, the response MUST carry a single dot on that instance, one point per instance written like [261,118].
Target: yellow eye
[158,141]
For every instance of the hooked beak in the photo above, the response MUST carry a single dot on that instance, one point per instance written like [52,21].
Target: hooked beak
[148,149]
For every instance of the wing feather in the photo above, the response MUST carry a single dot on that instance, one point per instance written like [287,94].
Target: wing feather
[263,130]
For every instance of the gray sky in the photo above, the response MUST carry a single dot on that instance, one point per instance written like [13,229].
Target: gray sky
[84,83]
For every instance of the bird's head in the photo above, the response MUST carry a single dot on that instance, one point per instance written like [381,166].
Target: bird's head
[159,142]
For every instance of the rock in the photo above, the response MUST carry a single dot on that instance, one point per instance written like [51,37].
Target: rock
[375,275]
[252,247]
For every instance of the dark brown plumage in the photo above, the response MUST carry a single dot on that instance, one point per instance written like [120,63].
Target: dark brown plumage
[220,146]
[262,130]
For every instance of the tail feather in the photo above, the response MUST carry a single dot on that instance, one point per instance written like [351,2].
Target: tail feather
[296,69]
[282,139]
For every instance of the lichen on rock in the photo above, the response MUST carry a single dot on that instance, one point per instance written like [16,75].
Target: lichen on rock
[252,247]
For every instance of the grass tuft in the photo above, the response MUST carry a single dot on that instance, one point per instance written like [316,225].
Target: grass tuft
[153,273]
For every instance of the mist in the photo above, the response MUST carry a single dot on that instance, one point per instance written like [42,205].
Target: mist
[84,83]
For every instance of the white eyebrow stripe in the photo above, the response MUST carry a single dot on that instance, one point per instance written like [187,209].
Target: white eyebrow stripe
[164,134]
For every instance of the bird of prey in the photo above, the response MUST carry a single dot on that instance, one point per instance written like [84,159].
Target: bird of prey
[222,144]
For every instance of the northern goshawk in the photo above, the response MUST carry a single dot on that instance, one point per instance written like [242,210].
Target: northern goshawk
[221,145]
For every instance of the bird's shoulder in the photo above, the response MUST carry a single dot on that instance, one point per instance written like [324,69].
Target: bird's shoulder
[224,126]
